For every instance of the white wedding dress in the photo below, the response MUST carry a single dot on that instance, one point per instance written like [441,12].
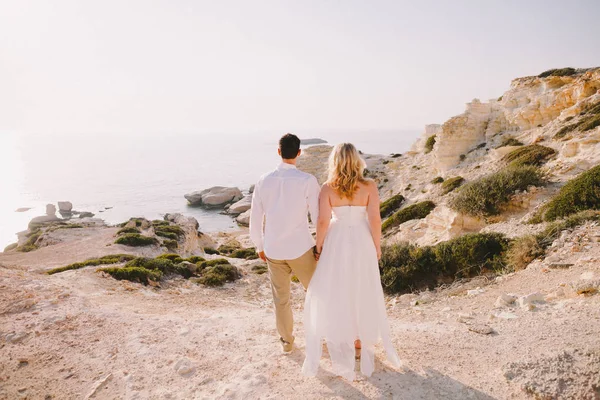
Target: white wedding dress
[344,301]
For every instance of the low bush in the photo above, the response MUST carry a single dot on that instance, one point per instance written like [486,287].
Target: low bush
[170,244]
[211,263]
[105,260]
[429,143]
[523,251]
[452,183]
[462,157]
[534,154]
[437,179]
[195,259]
[218,275]
[248,254]
[509,141]
[487,195]
[229,247]
[210,250]
[579,194]
[389,206]
[176,258]
[123,231]
[406,267]
[136,240]
[165,266]
[590,119]
[568,71]
[414,211]
[168,235]
[133,274]
[160,222]
[260,269]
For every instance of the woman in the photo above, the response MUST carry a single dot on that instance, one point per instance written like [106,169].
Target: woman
[344,302]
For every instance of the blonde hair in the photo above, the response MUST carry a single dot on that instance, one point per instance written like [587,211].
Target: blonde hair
[345,170]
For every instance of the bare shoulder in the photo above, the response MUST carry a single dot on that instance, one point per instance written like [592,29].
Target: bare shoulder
[370,184]
[326,189]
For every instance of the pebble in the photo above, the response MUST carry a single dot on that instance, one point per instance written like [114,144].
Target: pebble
[505,299]
[481,329]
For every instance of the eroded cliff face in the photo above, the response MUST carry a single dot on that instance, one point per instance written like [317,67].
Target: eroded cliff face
[531,103]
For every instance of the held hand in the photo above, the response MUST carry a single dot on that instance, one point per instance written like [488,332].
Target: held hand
[378,254]
[317,252]
[262,255]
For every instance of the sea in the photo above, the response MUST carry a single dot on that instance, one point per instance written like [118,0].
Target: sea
[121,176]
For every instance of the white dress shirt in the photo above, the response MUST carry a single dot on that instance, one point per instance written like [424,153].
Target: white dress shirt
[282,199]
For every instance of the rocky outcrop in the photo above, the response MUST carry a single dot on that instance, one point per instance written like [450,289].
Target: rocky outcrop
[50,210]
[244,218]
[240,206]
[313,160]
[216,196]
[194,240]
[312,141]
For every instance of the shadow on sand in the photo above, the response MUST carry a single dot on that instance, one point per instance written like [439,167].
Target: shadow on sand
[404,384]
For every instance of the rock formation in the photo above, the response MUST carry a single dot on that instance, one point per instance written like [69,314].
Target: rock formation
[216,196]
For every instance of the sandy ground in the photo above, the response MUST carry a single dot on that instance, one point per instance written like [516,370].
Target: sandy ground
[79,335]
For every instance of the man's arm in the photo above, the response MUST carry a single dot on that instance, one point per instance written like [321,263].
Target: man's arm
[312,199]
[257,214]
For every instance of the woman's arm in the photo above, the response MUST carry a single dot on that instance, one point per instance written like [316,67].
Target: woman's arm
[324,217]
[374,216]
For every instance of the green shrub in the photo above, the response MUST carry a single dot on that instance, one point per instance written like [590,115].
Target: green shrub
[211,263]
[11,247]
[160,222]
[580,193]
[163,265]
[562,132]
[509,141]
[168,235]
[136,240]
[387,207]
[589,121]
[487,195]
[248,254]
[260,269]
[133,274]
[437,179]
[195,259]
[229,247]
[452,183]
[170,244]
[533,154]
[407,267]
[175,258]
[523,251]
[414,211]
[30,243]
[429,143]
[218,275]
[210,250]
[128,230]
[558,72]
[105,260]
[176,229]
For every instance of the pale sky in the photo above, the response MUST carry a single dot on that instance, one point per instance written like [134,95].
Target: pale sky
[158,66]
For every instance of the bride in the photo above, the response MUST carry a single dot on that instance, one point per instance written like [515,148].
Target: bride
[344,303]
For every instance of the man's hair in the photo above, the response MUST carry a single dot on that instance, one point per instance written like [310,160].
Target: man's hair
[289,144]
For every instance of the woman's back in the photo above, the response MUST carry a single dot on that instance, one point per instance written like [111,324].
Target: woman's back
[361,196]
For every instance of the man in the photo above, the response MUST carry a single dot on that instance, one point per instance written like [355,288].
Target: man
[279,229]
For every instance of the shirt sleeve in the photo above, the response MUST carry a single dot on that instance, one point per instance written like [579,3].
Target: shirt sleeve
[257,214]
[313,199]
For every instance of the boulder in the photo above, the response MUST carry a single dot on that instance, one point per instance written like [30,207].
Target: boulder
[86,214]
[312,141]
[244,218]
[216,196]
[50,210]
[241,206]
[505,300]
[65,206]
[251,190]
[529,300]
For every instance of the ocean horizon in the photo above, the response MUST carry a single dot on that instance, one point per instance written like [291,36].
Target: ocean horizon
[121,176]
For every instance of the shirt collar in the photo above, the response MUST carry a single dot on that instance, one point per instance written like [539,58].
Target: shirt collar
[286,166]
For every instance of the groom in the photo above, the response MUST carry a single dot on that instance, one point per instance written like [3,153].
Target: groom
[279,229]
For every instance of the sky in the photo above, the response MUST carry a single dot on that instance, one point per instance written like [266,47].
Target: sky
[206,67]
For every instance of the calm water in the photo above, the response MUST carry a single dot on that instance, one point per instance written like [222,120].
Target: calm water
[142,176]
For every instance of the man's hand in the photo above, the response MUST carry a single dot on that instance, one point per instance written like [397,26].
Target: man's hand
[262,255]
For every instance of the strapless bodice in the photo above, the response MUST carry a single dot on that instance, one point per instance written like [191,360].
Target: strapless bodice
[349,213]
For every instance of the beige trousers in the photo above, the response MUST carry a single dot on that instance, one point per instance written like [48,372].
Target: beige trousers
[280,272]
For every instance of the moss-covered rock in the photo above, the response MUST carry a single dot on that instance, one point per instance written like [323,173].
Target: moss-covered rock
[105,260]
[170,244]
[31,242]
[229,247]
[195,259]
[176,258]
[211,251]
[125,230]
[451,184]
[437,180]
[167,235]
[248,254]
[429,143]
[174,230]
[406,267]
[487,196]
[218,275]
[390,206]
[534,154]
[133,274]
[579,194]
[414,211]
[260,269]
[588,120]
[136,240]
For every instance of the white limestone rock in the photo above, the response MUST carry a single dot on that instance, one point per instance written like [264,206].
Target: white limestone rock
[216,196]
